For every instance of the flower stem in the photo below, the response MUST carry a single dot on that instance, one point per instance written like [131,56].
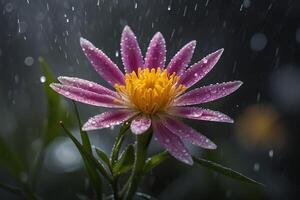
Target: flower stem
[143,141]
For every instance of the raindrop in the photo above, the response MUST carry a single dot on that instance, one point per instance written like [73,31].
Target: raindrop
[246,3]
[16,77]
[135,5]
[73,8]
[258,41]
[185,9]
[271,153]
[42,79]
[29,61]
[9,7]
[117,54]
[298,35]
[256,167]
[22,26]
[258,97]
[112,127]
[169,7]
[207,1]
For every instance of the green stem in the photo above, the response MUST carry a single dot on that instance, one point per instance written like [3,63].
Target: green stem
[118,143]
[142,142]
[114,157]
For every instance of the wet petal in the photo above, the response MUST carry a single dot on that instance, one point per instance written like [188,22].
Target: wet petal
[140,124]
[198,70]
[187,133]
[102,64]
[85,96]
[207,93]
[86,85]
[200,114]
[171,142]
[130,50]
[108,119]
[181,60]
[156,52]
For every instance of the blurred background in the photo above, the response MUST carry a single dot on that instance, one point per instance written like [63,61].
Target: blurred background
[261,39]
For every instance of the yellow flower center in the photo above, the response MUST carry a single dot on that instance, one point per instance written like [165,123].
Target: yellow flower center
[150,91]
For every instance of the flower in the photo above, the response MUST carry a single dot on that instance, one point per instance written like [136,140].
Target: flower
[150,94]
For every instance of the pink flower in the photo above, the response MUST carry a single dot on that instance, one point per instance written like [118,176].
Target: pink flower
[149,93]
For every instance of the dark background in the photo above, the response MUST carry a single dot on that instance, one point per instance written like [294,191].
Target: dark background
[261,39]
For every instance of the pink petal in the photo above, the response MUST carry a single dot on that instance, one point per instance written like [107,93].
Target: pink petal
[198,70]
[108,119]
[187,133]
[207,93]
[131,53]
[85,96]
[102,64]
[140,124]
[172,143]
[181,60]
[156,53]
[200,114]
[86,85]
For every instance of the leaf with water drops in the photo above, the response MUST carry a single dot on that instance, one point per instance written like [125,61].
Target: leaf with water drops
[155,161]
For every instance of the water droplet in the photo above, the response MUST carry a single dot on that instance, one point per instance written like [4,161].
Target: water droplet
[271,153]
[117,54]
[29,61]
[204,60]
[256,167]
[135,5]
[169,7]
[258,41]
[22,26]
[42,79]
[9,7]
[112,127]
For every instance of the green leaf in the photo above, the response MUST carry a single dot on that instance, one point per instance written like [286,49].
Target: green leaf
[102,155]
[85,154]
[118,142]
[10,159]
[92,165]
[225,171]
[56,110]
[84,136]
[125,162]
[155,160]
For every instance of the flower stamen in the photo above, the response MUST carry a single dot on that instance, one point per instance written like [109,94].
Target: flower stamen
[150,91]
